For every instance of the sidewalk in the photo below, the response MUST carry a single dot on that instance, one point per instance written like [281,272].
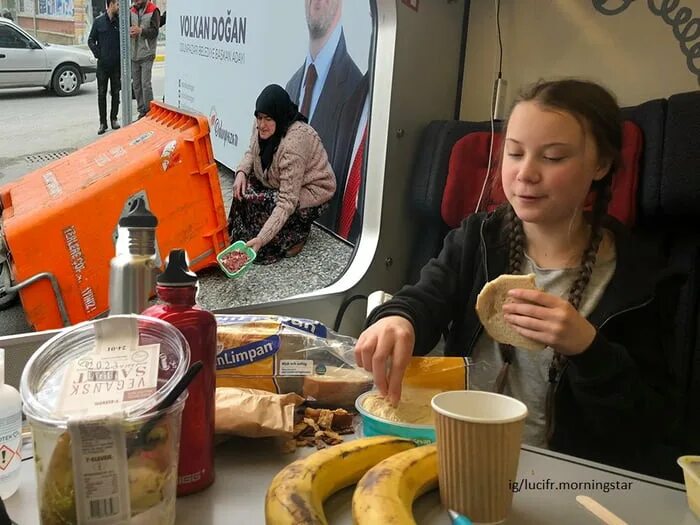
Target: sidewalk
[160,52]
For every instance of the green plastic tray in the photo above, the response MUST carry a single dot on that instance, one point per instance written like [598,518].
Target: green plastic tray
[238,246]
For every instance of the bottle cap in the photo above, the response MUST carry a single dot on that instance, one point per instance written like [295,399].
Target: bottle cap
[177,271]
[139,216]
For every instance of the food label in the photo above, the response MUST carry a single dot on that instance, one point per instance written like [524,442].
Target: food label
[118,373]
[247,354]
[100,470]
[296,367]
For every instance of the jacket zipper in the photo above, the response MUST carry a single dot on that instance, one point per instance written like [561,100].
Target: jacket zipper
[486,271]
[566,363]
[611,316]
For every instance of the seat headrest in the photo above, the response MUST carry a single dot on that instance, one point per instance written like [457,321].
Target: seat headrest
[650,117]
[680,169]
[469,163]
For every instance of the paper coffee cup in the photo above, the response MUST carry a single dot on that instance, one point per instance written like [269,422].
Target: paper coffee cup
[478,437]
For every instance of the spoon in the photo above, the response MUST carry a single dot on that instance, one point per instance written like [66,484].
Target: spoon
[173,396]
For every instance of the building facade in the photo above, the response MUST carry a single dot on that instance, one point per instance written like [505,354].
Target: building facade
[59,21]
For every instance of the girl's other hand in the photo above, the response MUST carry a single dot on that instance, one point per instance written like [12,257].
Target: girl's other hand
[549,319]
[240,185]
[389,338]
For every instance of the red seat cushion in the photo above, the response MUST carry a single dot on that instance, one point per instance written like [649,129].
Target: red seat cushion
[469,162]
[465,175]
[623,205]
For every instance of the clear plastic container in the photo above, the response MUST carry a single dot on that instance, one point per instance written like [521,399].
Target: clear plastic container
[152,460]
[152,469]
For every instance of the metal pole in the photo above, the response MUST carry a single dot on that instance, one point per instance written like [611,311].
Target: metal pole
[125,49]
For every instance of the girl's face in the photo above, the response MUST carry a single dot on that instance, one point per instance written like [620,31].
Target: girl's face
[266,126]
[549,163]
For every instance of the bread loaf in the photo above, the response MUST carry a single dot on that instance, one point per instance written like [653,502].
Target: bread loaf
[489,307]
[337,387]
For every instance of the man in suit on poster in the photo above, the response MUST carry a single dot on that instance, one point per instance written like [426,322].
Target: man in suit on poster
[344,214]
[328,76]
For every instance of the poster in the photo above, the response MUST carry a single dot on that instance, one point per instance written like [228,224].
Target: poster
[222,53]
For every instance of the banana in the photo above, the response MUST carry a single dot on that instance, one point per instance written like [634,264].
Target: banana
[297,493]
[385,494]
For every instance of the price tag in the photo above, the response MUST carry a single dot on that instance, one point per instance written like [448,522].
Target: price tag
[118,373]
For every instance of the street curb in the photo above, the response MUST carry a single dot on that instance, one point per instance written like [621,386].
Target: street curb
[160,58]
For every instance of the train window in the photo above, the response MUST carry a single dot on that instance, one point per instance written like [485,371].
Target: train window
[301,204]
[320,52]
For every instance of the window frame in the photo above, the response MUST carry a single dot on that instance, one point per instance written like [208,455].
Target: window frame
[28,44]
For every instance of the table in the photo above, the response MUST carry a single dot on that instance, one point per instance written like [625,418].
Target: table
[245,467]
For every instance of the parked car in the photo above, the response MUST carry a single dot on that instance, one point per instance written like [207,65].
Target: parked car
[26,62]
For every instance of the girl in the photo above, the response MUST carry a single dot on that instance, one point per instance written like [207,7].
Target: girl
[283,183]
[600,387]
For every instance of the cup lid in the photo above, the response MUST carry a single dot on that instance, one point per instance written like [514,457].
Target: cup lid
[44,376]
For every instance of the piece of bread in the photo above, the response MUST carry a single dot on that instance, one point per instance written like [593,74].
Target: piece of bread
[235,336]
[489,307]
[338,387]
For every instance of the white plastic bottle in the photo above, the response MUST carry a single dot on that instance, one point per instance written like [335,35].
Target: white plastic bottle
[10,435]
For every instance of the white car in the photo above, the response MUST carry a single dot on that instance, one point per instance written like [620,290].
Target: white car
[25,62]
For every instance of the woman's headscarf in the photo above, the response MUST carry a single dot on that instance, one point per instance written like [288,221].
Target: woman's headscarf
[274,101]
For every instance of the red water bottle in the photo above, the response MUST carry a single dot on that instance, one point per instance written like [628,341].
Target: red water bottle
[177,289]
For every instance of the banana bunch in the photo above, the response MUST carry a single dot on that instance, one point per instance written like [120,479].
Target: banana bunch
[297,493]
[385,494]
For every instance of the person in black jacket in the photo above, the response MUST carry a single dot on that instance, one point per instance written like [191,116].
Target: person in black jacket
[603,388]
[104,43]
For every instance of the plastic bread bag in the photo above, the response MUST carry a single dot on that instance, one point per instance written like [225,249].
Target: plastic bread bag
[284,355]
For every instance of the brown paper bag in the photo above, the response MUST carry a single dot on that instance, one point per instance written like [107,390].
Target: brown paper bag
[255,413]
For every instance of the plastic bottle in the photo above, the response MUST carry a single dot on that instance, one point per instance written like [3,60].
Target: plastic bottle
[177,289]
[10,435]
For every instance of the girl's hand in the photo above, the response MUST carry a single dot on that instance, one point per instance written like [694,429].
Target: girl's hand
[240,185]
[391,337]
[550,320]
[255,243]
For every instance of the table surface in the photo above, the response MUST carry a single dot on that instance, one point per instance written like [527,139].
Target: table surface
[245,467]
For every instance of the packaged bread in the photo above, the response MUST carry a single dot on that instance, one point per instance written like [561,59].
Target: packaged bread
[489,307]
[277,354]
[337,387]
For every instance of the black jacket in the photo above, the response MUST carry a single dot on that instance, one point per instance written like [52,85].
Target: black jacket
[104,41]
[615,402]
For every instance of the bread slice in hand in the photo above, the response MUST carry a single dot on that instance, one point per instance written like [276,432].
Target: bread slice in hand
[489,307]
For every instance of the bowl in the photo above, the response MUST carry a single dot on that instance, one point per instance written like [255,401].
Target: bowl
[691,474]
[376,426]
[238,246]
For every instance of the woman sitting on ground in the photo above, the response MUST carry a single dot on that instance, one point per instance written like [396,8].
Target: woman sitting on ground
[283,183]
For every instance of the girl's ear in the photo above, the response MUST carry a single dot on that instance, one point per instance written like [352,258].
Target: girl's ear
[603,169]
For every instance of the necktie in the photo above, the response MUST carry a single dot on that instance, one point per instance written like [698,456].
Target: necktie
[347,213]
[310,82]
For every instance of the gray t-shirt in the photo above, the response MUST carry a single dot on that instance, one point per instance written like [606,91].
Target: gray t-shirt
[528,374]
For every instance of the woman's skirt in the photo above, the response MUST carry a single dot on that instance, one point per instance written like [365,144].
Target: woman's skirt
[247,217]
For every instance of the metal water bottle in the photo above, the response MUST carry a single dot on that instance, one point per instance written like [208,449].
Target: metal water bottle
[133,269]
[177,290]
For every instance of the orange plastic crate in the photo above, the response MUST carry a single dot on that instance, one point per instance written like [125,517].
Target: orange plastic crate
[62,218]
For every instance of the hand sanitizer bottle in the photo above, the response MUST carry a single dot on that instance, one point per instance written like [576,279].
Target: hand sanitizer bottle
[10,435]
